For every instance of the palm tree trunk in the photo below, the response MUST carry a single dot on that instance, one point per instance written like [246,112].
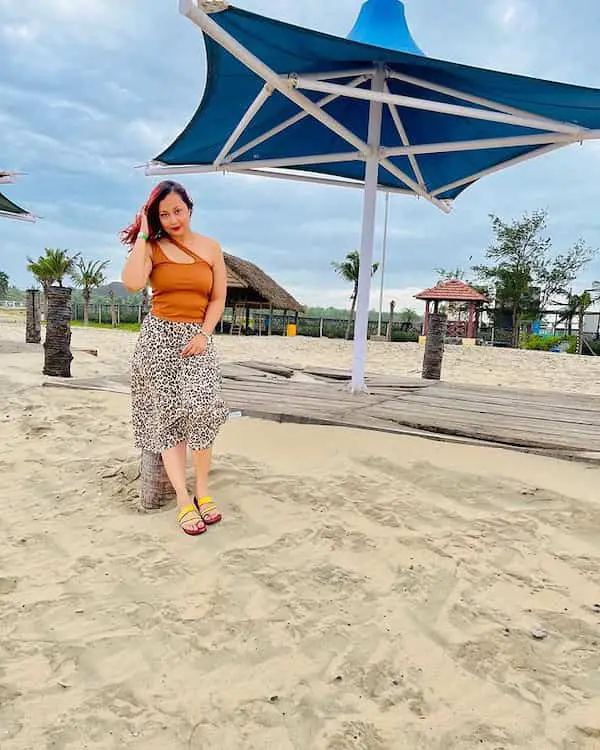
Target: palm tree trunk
[581,322]
[434,347]
[45,287]
[86,307]
[156,490]
[352,309]
[516,333]
[57,346]
[33,330]
[390,328]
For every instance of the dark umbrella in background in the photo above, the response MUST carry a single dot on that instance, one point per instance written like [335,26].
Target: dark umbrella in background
[370,112]
[8,209]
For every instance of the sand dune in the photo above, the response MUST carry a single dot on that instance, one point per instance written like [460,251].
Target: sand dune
[364,591]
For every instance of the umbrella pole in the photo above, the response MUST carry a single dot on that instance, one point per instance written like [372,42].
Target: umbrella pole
[383,259]
[367,238]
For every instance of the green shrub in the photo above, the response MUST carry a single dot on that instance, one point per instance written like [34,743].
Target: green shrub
[545,343]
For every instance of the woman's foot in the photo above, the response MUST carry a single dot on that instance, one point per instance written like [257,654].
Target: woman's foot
[207,510]
[190,521]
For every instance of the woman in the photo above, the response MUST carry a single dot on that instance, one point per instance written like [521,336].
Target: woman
[175,378]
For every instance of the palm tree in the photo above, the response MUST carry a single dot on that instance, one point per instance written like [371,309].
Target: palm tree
[576,304]
[87,276]
[349,270]
[51,268]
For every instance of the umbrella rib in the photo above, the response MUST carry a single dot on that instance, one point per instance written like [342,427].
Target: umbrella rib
[404,138]
[456,94]
[291,121]
[303,177]
[456,110]
[390,167]
[291,161]
[539,139]
[249,115]
[498,167]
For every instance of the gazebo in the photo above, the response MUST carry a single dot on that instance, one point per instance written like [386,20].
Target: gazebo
[454,291]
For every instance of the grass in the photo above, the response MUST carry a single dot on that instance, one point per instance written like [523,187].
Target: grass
[135,327]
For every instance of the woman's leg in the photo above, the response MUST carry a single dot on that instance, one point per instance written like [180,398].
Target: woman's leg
[202,461]
[174,460]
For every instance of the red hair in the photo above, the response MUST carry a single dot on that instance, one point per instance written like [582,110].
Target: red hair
[129,235]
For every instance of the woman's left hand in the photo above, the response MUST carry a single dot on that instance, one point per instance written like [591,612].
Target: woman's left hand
[196,346]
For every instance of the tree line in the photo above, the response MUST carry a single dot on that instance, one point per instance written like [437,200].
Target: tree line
[521,274]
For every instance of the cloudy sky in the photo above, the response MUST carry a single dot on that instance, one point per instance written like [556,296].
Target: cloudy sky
[91,90]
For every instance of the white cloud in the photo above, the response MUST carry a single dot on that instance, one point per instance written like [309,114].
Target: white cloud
[20,32]
[514,16]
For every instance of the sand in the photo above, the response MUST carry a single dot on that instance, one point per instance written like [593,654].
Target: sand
[364,591]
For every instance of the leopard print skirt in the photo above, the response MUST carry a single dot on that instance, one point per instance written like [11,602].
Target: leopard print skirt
[174,398]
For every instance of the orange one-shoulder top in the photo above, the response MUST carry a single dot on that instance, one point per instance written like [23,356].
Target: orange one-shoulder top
[180,291]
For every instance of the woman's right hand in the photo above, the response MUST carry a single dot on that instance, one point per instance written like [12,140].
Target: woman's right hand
[144,220]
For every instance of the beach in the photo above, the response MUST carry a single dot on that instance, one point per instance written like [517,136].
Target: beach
[364,590]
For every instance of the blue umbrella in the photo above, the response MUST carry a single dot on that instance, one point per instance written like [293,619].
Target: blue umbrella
[370,111]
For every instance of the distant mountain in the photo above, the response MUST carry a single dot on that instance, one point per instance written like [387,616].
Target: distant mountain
[115,286]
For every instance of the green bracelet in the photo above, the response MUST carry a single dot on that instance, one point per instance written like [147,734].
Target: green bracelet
[143,235]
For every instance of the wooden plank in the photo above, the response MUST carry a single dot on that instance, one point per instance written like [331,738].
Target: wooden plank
[329,373]
[505,432]
[545,413]
[267,367]
[108,386]
[533,396]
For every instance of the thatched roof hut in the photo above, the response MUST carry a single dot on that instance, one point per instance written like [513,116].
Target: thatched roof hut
[249,286]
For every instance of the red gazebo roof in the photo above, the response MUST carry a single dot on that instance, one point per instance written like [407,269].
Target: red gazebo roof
[452,290]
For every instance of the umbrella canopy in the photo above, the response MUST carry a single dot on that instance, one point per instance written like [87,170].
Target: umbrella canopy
[370,111]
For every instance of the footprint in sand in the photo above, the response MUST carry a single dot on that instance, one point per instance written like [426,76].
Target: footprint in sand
[7,586]
[361,735]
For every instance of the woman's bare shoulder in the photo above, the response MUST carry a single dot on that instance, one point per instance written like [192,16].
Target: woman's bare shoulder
[208,244]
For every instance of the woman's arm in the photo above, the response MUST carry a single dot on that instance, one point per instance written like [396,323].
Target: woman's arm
[138,266]
[216,305]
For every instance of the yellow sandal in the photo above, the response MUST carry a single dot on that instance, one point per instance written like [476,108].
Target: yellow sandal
[208,510]
[189,514]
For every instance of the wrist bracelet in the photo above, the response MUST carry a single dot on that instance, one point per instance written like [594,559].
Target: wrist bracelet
[206,335]
[143,235]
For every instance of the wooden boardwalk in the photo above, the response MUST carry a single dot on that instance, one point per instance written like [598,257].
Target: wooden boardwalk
[553,424]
